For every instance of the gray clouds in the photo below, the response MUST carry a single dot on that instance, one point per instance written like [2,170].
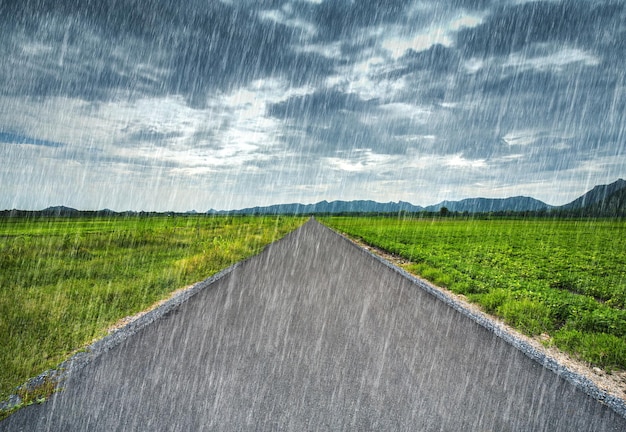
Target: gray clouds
[512,28]
[326,99]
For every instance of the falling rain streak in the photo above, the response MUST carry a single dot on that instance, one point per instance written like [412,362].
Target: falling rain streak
[231,104]
[177,106]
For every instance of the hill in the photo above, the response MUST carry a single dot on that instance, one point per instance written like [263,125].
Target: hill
[333,207]
[60,211]
[487,205]
[471,205]
[602,201]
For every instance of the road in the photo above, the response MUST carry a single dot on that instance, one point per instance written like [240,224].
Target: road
[315,333]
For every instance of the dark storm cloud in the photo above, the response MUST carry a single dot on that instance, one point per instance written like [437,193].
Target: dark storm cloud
[341,134]
[471,4]
[53,53]
[319,104]
[544,66]
[437,59]
[90,49]
[346,132]
[15,138]
[341,18]
[150,135]
[201,66]
[243,86]
[573,97]
[193,48]
[335,121]
[510,28]
[94,50]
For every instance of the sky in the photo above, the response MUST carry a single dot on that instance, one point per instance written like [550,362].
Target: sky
[176,106]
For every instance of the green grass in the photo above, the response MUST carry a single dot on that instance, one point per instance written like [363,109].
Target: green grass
[64,281]
[564,278]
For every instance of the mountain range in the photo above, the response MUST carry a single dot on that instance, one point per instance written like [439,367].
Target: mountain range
[358,206]
[483,205]
[602,200]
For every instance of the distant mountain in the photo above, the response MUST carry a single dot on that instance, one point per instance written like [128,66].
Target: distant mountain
[486,205]
[359,206]
[472,205]
[59,211]
[596,196]
[105,212]
[614,205]
[602,200]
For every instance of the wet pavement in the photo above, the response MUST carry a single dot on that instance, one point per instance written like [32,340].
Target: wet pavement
[315,333]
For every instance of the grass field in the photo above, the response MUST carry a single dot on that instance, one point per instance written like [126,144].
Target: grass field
[562,278]
[64,281]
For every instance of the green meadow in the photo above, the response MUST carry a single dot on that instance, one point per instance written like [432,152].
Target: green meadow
[65,281]
[563,279]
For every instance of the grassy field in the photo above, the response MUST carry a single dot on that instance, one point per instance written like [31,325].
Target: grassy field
[562,278]
[64,281]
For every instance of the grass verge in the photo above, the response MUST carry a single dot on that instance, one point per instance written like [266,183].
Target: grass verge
[562,278]
[64,281]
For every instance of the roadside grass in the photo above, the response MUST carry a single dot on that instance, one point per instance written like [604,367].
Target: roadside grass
[64,281]
[556,277]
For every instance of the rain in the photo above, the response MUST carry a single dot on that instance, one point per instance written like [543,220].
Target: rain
[232,104]
[170,106]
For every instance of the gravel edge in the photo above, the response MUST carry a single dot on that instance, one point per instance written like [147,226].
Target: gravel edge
[119,334]
[114,338]
[577,380]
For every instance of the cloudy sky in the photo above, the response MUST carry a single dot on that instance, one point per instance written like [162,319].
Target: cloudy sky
[203,104]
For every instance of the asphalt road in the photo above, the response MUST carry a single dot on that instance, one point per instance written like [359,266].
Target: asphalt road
[316,334]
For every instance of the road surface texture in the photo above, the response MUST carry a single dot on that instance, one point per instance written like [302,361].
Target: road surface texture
[315,333]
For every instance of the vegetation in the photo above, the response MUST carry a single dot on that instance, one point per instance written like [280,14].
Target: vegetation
[64,281]
[561,278]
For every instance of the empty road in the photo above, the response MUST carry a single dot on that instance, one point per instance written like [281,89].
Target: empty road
[315,333]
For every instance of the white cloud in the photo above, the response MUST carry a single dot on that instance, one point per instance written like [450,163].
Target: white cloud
[331,50]
[542,57]
[458,161]
[397,46]
[157,136]
[437,33]
[36,48]
[464,21]
[283,17]
[521,138]
[555,61]
[417,113]
[413,138]
[473,65]
[360,160]
[364,78]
